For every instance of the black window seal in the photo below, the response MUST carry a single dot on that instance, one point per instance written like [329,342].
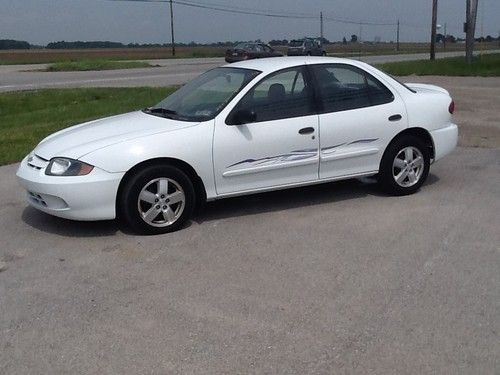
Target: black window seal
[307,81]
[320,99]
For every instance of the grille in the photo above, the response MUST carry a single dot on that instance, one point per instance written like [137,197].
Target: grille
[37,198]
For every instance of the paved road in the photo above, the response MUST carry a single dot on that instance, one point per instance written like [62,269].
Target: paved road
[327,279]
[170,72]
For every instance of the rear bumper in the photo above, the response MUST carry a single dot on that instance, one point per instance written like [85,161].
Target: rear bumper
[232,59]
[445,140]
[90,197]
[296,53]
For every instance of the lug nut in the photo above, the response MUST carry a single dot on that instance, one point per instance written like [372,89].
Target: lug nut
[158,207]
[164,207]
[156,200]
[162,196]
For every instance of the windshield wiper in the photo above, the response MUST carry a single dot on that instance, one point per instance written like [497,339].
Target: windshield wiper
[164,112]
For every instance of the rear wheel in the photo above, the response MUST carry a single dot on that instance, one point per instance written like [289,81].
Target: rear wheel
[405,166]
[158,199]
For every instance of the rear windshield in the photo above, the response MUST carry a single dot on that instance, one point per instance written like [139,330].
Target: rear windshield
[401,83]
[296,43]
[245,46]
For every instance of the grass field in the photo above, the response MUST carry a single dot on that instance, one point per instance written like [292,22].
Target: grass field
[483,66]
[41,56]
[37,56]
[29,116]
[87,65]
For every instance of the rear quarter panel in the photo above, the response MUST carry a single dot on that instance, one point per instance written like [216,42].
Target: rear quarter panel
[428,110]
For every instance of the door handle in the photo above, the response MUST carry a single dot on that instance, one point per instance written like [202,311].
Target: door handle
[307,130]
[395,117]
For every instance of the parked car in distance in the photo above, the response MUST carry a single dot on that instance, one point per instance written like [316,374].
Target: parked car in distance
[305,47]
[248,127]
[248,51]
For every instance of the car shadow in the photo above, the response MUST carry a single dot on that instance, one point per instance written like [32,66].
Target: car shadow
[68,228]
[293,198]
[226,208]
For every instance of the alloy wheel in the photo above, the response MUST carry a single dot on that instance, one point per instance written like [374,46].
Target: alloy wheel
[161,202]
[408,166]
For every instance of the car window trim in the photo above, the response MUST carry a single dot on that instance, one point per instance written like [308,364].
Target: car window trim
[308,80]
[317,90]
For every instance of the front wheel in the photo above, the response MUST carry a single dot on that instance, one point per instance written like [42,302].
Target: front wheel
[405,166]
[158,199]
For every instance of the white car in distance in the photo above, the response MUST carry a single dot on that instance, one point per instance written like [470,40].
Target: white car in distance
[247,127]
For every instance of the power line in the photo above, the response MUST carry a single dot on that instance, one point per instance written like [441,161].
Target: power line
[369,23]
[264,13]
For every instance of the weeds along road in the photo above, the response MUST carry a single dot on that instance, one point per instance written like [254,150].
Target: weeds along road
[170,72]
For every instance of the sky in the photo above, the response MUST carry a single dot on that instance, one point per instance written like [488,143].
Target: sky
[43,21]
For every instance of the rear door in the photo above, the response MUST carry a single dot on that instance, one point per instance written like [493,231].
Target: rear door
[359,116]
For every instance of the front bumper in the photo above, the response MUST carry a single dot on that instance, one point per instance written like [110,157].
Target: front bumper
[90,197]
[445,140]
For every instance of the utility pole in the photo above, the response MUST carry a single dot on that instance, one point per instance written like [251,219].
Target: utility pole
[397,38]
[172,27]
[433,31]
[470,28]
[321,25]
[444,40]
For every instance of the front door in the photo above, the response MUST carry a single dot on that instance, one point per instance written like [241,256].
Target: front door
[270,138]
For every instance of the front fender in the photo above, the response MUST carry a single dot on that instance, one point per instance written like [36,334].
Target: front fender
[192,145]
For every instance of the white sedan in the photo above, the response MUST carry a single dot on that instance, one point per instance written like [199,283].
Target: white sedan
[240,129]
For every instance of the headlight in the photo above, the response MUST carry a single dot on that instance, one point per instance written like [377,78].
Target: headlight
[67,167]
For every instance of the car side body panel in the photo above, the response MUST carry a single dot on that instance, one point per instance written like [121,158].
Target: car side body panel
[115,145]
[192,145]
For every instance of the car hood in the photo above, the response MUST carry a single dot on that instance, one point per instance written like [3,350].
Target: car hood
[79,140]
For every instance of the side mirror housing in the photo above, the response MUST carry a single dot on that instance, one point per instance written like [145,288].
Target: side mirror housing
[242,116]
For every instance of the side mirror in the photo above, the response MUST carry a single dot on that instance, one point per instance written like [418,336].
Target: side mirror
[242,116]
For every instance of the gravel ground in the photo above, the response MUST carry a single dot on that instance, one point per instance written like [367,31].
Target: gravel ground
[328,279]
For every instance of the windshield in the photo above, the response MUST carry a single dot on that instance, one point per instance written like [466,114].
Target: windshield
[205,96]
[296,43]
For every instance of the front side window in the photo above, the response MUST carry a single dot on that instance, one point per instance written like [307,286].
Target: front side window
[205,96]
[344,87]
[283,94]
[296,43]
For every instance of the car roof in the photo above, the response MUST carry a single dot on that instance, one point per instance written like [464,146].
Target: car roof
[272,64]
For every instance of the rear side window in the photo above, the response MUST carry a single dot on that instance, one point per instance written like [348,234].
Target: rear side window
[344,87]
[283,94]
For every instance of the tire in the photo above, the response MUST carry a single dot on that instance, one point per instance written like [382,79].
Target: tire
[404,166]
[163,190]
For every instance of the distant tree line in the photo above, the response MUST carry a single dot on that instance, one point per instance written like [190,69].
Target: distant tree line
[80,45]
[14,44]
[19,44]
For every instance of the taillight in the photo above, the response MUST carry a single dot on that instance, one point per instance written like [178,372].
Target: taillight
[451,108]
